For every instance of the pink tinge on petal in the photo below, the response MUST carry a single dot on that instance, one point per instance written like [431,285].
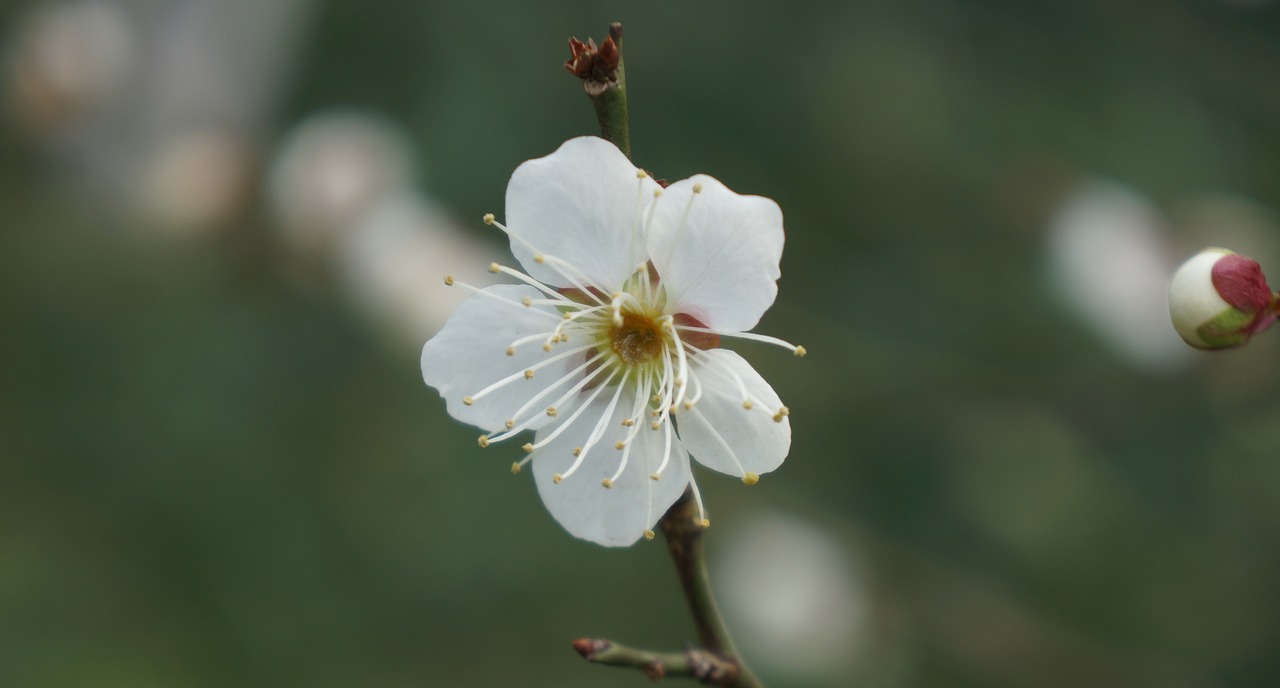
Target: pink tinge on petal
[1240,282]
[701,340]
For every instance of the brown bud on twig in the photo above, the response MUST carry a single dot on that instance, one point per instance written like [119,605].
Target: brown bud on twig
[596,66]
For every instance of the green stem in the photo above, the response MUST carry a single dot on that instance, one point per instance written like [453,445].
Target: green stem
[682,527]
[609,97]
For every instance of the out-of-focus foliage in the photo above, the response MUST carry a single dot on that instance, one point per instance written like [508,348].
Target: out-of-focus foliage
[219,466]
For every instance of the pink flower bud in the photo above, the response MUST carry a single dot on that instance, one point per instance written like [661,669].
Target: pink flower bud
[1219,299]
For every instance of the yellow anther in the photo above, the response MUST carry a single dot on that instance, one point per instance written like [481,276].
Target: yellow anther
[448,280]
[515,467]
[528,374]
[567,315]
[648,534]
[494,267]
[607,483]
[747,404]
[511,351]
[539,258]
[488,218]
[641,174]
[528,447]
[655,476]
[467,401]
[546,347]
[577,451]
[697,188]
[688,405]
[783,412]
[526,301]
[654,425]
[750,479]
[557,478]
[509,423]
[551,411]
[627,422]
[619,444]
[705,523]
[801,351]
[657,193]
[483,441]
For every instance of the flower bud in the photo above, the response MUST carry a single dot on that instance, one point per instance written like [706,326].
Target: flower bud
[1219,299]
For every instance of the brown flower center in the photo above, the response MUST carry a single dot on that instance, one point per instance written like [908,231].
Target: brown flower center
[638,340]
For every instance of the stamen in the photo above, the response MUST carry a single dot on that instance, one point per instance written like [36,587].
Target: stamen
[554,263]
[797,350]
[526,374]
[488,293]
[569,421]
[697,499]
[669,324]
[598,431]
[448,280]
[521,425]
[666,452]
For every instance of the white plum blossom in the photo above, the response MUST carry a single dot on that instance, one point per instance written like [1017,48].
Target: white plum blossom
[607,347]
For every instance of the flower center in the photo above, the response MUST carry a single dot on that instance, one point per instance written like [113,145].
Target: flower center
[638,340]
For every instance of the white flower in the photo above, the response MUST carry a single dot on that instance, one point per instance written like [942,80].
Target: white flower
[608,347]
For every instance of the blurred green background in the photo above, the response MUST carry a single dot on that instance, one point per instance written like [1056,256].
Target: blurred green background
[222,229]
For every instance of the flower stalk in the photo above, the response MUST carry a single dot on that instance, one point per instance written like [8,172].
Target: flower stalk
[683,528]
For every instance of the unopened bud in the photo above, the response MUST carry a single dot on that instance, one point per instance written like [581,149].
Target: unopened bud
[1219,299]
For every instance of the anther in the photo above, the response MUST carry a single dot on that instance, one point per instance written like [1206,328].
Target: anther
[619,445]
[607,483]
[688,405]
[546,347]
[528,447]
[488,218]
[697,188]
[568,315]
[448,280]
[657,193]
[510,423]
[577,451]
[648,534]
[539,258]
[641,174]
[483,441]
[528,374]
[557,478]
[551,411]
[655,476]
[654,425]
[515,467]
[783,412]
[494,267]
[747,404]
[526,301]
[704,523]
[467,401]
[627,422]
[801,351]
[750,479]
[511,351]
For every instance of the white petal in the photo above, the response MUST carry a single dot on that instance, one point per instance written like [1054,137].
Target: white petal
[581,204]
[617,516]
[717,252]
[723,435]
[469,354]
